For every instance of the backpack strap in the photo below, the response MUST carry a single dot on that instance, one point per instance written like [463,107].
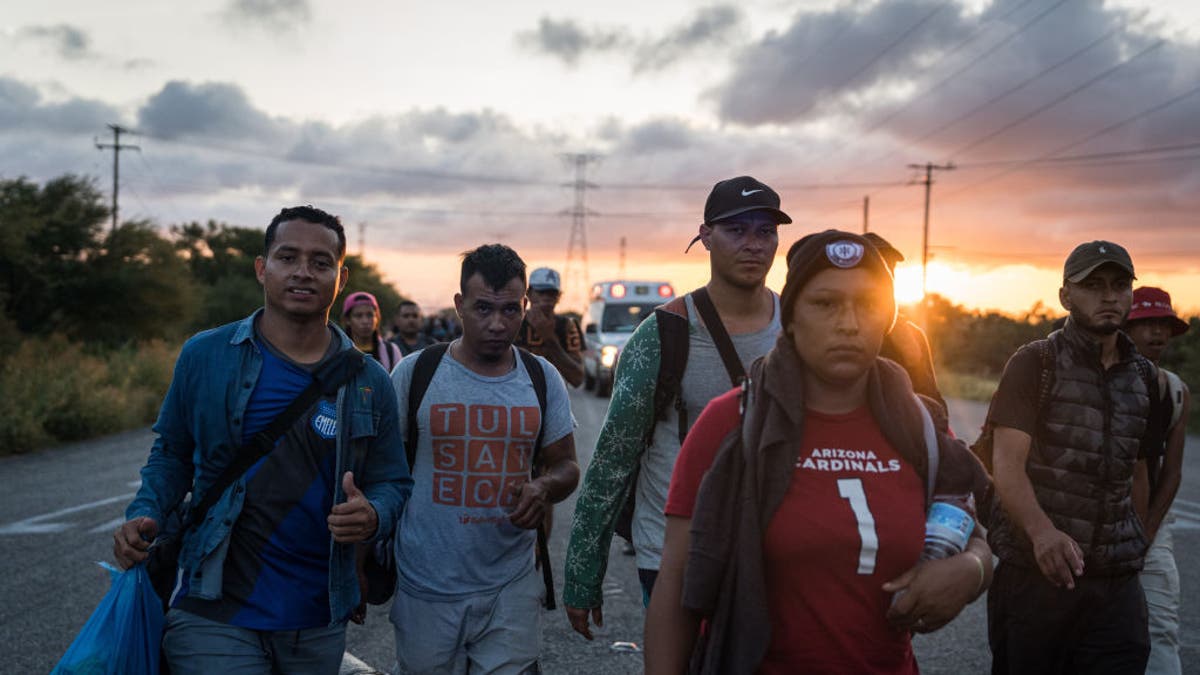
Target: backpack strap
[712,321]
[673,343]
[538,377]
[427,364]
[933,456]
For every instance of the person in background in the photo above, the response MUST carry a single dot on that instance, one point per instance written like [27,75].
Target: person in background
[1152,323]
[407,328]
[551,336]
[360,320]
[797,510]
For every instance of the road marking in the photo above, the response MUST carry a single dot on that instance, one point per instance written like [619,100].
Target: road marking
[39,524]
[108,526]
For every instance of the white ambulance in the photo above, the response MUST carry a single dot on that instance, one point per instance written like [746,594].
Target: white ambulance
[615,308]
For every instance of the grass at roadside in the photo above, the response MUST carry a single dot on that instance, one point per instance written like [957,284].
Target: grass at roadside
[53,391]
[966,386]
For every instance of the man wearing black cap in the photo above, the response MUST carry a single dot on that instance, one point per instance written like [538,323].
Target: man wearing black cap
[690,351]
[1070,420]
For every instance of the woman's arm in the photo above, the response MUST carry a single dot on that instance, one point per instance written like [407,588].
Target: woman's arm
[937,590]
[670,628]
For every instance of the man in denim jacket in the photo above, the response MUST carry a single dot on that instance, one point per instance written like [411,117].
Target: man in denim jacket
[268,578]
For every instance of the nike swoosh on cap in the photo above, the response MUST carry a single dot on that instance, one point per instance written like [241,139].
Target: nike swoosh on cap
[747,193]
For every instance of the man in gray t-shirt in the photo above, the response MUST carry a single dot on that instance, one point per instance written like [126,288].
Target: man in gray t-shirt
[467,597]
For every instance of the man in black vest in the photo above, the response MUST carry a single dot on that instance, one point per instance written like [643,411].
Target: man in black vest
[1070,420]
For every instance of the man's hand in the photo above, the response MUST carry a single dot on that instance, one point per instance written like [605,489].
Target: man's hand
[353,520]
[542,320]
[131,540]
[532,500]
[1058,556]
[579,619]
[931,594]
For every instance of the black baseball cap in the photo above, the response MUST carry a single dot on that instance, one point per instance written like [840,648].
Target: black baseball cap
[1087,257]
[739,195]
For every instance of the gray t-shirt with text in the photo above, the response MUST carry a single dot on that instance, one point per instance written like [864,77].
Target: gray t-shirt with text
[475,444]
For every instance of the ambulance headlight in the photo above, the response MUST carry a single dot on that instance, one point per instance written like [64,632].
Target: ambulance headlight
[608,356]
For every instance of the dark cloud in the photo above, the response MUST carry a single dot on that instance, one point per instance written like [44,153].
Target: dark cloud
[566,40]
[22,108]
[826,55]
[215,110]
[271,15]
[69,42]
[711,27]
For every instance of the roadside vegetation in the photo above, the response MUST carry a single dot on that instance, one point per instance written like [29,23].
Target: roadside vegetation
[94,318]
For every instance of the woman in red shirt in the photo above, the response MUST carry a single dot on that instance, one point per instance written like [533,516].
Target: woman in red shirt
[791,534]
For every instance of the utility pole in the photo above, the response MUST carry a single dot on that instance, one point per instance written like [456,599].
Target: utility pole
[929,168]
[116,148]
[362,240]
[622,259]
[866,213]
[577,243]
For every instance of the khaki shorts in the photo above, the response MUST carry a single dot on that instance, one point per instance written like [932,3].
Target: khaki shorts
[494,634]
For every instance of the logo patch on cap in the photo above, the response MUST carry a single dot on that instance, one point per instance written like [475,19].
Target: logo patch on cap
[845,253]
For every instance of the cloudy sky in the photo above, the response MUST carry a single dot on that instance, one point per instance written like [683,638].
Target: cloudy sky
[444,125]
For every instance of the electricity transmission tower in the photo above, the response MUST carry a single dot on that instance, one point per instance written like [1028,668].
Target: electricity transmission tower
[576,275]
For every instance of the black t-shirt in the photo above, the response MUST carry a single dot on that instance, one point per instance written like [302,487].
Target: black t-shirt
[1015,403]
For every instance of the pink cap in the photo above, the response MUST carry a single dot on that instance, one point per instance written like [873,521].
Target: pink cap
[360,298]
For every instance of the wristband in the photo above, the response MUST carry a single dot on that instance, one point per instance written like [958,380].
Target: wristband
[982,573]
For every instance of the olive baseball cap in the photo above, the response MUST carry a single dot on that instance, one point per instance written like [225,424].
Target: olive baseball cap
[1087,257]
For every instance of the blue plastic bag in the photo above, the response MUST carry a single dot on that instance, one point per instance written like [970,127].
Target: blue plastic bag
[123,635]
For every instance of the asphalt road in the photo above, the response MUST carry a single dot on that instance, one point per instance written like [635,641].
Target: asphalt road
[58,508]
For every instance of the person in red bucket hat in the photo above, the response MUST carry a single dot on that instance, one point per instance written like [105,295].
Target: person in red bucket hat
[1151,324]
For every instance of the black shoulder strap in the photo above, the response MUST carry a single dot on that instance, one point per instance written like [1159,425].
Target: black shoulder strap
[538,377]
[335,372]
[673,344]
[712,321]
[427,364]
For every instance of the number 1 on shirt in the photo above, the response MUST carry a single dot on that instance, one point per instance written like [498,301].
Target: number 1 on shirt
[852,489]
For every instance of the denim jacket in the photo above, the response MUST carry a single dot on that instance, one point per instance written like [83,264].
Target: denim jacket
[199,429]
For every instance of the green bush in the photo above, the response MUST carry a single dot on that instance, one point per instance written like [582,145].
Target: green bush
[53,390]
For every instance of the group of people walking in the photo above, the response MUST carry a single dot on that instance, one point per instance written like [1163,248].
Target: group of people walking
[772,457]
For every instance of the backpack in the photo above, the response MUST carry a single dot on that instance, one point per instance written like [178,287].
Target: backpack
[983,447]
[381,563]
[674,341]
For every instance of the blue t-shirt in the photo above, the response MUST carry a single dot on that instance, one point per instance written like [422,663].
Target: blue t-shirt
[276,574]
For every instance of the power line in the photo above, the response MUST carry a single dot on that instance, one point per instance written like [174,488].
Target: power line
[1112,155]
[941,128]
[1074,144]
[490,179]
[1058,99]
[970,64]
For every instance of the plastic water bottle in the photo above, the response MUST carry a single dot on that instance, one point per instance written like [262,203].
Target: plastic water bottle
[948,526]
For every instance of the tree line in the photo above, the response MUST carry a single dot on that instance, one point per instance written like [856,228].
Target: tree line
[64,271]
